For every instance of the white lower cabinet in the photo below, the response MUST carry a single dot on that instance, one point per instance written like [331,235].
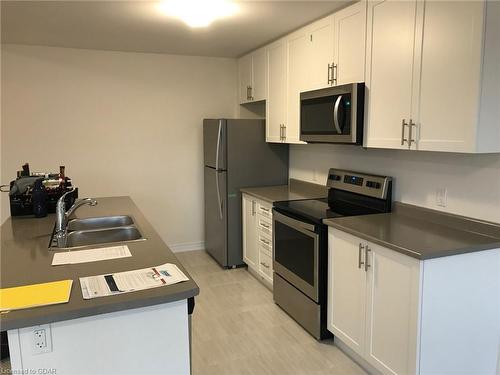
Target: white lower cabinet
[257,237]
[402,315]
[373,302]
[249,223]
[392,300]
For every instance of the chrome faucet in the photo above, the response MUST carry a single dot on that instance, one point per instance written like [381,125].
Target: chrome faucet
[62,215]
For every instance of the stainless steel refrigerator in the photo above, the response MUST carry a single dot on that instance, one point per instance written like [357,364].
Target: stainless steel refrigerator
[236,155]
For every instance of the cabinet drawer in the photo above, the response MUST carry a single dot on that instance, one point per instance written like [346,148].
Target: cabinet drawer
[265,264]
[265,243]
[265,225]
[265,210]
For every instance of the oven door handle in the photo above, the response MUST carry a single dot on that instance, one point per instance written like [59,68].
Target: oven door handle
[336,114]
[293,222]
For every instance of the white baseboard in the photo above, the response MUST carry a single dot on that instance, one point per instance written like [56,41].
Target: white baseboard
[187,246]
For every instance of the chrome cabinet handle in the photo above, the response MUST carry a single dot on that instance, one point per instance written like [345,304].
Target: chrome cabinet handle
[281,132]
[336,115]
[251,93]
[264,225]
[248,92]
[264,264]
[284,133]
[360,250]
[330,74]
[403,139]
[367,250]
[335,69]
[265,241]
[264,209]
[410,135]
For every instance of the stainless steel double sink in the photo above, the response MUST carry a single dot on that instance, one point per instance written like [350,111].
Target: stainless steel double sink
[100,230]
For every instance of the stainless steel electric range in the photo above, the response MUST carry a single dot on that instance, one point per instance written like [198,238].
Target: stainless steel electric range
[300,242]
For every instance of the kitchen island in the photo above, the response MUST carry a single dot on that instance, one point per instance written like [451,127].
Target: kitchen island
[140,332]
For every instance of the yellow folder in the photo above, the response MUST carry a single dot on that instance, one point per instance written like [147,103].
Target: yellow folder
[24,297]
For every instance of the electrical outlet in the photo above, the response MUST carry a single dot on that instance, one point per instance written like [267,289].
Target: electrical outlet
[42,339]
[441,197]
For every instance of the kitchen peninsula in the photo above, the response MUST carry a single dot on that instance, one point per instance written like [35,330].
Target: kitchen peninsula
[138,332]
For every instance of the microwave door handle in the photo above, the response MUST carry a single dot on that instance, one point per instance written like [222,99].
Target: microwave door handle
[336,114]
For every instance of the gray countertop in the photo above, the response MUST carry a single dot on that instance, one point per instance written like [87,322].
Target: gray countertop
[422,233]
[26,259]
[295,190]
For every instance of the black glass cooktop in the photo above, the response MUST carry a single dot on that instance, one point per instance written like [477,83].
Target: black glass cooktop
[311,209]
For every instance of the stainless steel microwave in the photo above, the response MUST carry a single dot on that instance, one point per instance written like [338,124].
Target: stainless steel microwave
[333,114]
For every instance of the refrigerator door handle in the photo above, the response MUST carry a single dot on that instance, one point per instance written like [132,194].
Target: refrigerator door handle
[218,193]
[219,133]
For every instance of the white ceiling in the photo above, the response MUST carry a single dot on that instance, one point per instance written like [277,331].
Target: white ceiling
[138,26]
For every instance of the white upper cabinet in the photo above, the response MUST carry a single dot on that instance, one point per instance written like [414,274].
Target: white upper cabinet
[276,91]
[252,77]
[298,48]
[259,86]
[320,54]
[450,75]
[349,30]
[389,72]
[432,75]
[245,78]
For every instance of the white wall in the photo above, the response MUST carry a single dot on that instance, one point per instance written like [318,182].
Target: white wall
[472,181]
[122,123]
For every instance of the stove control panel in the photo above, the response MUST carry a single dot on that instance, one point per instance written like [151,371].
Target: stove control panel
[361,183]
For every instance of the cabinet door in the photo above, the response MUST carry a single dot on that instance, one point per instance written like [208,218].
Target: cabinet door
[392,310]
[349,47]
[450,75]
[346,290]
[250,245]
[245,78]
[276,91]
[259,68]
[389,64]
[320,53]
[298,45]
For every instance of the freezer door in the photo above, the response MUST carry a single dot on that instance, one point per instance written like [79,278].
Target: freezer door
[214,143]
[216,214]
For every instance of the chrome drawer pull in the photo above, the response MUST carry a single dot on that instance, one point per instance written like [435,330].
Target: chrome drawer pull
[264,264]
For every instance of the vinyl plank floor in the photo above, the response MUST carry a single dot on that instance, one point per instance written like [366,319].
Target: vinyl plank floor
[238,329]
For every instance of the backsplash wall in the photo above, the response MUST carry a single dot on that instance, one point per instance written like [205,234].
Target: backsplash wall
[472,181]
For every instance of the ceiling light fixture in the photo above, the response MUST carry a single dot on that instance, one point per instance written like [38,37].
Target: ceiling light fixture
[198,13]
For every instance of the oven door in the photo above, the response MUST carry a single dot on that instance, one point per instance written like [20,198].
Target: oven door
[330,115]
[296,251]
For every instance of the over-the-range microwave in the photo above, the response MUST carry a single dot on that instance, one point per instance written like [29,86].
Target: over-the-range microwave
[333,114]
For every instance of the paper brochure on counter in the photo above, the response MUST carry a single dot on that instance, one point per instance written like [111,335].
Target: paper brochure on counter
[130,281]
[91,255]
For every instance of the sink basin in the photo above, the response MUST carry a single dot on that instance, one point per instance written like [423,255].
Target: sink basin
[99,222]
[101,236]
